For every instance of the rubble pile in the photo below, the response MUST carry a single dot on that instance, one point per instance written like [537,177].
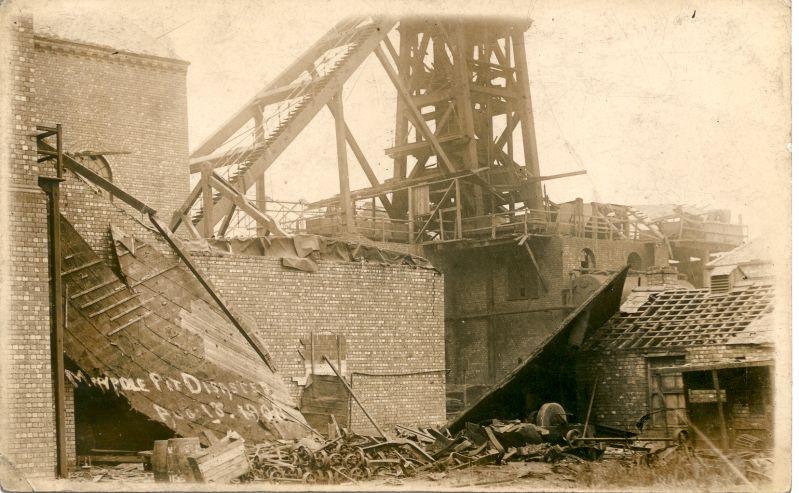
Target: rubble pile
[354,457]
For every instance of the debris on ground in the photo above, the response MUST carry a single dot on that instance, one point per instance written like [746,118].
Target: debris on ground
[353,457]
[491,452]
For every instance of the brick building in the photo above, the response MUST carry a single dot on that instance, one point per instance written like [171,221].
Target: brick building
[499,306]
[702,354]
[28,427]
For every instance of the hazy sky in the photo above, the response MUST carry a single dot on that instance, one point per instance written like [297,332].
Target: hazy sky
[669,101]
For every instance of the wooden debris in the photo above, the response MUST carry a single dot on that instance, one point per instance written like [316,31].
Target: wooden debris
[493,439]
[221,462]
[160,461]
[179,451]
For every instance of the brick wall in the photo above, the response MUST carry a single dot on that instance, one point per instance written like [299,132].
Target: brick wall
[27,426]
[610,254]
[392,317]
[483,348]
[115,101]
[623,390]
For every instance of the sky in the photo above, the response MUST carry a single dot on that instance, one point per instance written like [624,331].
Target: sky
[661,102]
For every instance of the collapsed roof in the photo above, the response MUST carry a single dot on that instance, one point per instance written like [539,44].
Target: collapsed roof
[677,318]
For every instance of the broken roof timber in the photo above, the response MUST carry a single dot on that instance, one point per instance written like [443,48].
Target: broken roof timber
[502,399]
[722,365]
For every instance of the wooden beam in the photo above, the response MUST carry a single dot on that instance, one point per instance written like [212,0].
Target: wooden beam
[208,203]
[389,187]
[177,216]
[501,92]
[191,229]
[240,201]
[260,182]
[228,217]
[345,203]
[355,398]
[361,158]
[422,146]
[401,122]
[283,93]
[537,268]
[435,210]
[251,338]
[725,441]
[416,117]
[284,78]
[301,119]
[512,120]
[525,112]
[463,82]
[429,99]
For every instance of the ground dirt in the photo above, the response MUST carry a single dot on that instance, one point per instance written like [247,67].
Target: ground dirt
[607,474]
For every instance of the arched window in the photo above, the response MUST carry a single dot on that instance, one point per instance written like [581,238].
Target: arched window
[587,259]
[99,164]
[634,261]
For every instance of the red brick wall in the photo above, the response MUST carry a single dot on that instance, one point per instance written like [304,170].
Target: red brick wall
[119,102]
[27,427]
[392,317]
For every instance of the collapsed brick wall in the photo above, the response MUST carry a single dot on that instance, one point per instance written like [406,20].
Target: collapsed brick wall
[27,417]
[123,102]
[391,316]
[623,388]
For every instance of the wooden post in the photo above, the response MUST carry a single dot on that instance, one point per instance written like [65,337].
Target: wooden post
[208,202]
[260,182]
[345,203]
[458,225]
[401,123]
[725,443]
[462,89]
[355,398]
[525,112]
[51,187]
[411,213]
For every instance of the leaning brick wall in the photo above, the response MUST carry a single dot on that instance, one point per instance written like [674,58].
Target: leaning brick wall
[392,317]
[27,417]
[121,102]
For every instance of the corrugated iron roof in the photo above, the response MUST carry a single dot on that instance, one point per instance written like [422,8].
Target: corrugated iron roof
[675,318]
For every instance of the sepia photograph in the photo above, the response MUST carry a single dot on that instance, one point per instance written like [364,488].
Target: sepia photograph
[520,245]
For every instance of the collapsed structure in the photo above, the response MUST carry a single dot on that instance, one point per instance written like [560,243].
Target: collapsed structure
[442,284]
